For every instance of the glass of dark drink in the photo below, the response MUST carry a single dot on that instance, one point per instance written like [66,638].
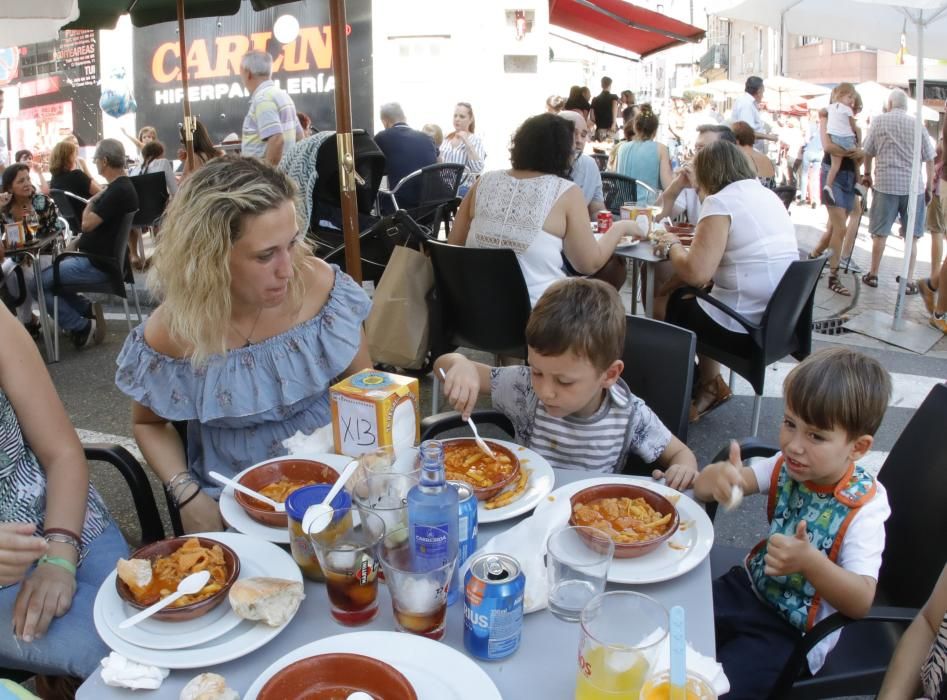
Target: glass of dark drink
[418,585]
[346,554]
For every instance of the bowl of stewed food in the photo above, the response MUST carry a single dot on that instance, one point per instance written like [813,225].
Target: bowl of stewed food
[486,475]
[277,479]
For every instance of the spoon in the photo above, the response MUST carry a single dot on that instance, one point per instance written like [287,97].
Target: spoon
[480,443]
[237,486]
[678,655]
[189,586]
[318,516]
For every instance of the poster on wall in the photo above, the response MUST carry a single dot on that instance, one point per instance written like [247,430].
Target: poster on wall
[303,67]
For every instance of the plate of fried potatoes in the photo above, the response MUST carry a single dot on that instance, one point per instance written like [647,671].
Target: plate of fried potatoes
[534,482]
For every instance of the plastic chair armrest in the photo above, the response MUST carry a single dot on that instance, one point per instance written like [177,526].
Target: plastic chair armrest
[749,448]
[434,425]
[754,329]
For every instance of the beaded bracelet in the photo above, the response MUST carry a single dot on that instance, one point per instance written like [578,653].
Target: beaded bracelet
[60,562]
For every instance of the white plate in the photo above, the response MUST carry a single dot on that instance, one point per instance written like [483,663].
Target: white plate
[436,671]
[235,516]
[689,546]
[232,644]
[628,242]
[539,486]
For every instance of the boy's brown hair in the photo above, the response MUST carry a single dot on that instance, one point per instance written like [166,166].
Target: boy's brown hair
[839,388]
[582,316]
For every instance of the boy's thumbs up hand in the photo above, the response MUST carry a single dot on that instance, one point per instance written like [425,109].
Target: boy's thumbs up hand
[787,555]
[726,478]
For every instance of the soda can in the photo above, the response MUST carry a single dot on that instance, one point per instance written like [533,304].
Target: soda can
[466,534]
[604,219]
[493,606]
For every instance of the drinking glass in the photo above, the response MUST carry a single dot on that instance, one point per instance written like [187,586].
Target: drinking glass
[696,687]
[621,633]
[417,586]
[386,495]
[346,554]
[576,572]
[31,226]
[384,460]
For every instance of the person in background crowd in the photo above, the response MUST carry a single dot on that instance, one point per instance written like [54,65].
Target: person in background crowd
[36,170]
[306,123]
[204,149]
[146,134]
[554,104]
[101,223]
[811,155]
[841,130]
[437,136]
[578,102]
[605,109]
[80,161]
[628,131]
[53,521]
[463,146]
[643,158]
[627,99]
[746,109]
[890,142]
[765,172]
[585,172]
[222,348]
[67,176]
[271,126]
[406,150]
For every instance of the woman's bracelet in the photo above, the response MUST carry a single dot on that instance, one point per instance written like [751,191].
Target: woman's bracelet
[58,561]
[176,486]
[62,531]
[54,536]
[187,500]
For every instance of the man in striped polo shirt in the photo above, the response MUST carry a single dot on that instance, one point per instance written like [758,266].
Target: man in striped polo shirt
[271,125]
[570,404]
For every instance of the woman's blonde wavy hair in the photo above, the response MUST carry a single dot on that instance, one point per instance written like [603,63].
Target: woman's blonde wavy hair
[190,269]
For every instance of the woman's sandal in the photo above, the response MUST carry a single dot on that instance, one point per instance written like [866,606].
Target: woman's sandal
[720,392]
[870,279]
[910,287]
[835,284]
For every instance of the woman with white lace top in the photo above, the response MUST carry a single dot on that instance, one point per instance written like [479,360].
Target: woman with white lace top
[534,210]
[463,146]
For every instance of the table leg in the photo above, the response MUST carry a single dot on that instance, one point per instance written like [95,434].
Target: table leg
[635,275]
[648,300]
[44,320]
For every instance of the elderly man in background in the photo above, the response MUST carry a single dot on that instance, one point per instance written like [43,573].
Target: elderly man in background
[406,150]
[746,109]
[271,126]
[101,223]
[890,146]
[585,172]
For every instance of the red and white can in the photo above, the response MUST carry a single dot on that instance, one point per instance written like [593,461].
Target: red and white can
[604,219]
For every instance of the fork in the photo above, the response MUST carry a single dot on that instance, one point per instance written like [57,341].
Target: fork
[480,443]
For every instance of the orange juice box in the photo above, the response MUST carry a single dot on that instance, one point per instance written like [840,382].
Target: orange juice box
[642,215]
[373,409]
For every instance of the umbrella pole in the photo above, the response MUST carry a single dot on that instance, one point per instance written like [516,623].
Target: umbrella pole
[189,124]
[898,320]
[344,141]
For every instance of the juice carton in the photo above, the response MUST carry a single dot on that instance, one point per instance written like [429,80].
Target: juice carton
[642,215]
[373,409]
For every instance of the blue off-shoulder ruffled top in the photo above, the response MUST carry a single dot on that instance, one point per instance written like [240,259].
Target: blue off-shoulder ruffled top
[240,406]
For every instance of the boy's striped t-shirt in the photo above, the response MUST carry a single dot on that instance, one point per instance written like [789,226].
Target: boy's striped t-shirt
[599,443]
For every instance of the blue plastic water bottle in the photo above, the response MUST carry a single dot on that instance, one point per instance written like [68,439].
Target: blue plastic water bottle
[432,503]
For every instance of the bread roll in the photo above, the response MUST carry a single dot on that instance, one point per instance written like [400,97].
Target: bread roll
[136,573]
[272,600]
[208,686]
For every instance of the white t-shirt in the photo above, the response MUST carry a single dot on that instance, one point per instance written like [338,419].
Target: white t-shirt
[688,203]
[745,109]
[760,246]
[839,122]
[862,547]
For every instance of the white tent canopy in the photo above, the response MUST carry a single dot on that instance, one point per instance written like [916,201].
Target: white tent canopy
[35,20]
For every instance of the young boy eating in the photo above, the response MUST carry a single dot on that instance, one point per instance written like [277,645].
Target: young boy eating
[826,518]
[570,404]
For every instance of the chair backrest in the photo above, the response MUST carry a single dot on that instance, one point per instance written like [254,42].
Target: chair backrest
[439,183]
[915,477]
[152,189]
[369,164]
[659,369]
[66,209]
[787,321]
[601,160]
[618,189]
[787,194]
[482,296]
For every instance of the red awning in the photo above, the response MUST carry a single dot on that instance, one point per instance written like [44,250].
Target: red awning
[622,24]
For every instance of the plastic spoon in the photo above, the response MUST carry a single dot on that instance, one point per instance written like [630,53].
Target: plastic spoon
[237,486]
[189,586]
[480,443]
[678,690]
[318,516]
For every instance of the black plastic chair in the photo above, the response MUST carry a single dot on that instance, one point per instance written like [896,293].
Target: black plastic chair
[70,207]
[11,302]
[601,160]
[153,196]
[659,369]
[424,191]
[786,194]
[482,300]
[785,328]
[915,477]
[617,190]
[149,520]
[119,271]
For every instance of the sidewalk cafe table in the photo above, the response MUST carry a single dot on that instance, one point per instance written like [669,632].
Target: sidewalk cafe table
[641,255]
[544,666]
[33,249]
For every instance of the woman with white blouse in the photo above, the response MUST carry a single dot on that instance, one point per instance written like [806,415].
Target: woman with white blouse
[743,243]
[463,146]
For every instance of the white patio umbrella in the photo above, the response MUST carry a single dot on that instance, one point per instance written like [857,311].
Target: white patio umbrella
[722,88]
[874,95]
[875,23]
[781,91]
[34,21]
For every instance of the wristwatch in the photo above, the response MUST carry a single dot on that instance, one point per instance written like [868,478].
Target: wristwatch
[667,247]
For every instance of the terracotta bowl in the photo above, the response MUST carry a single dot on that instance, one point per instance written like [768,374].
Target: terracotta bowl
[330,676]
[185,612]
[627,550]
[684,232]
[271,472]
[485,493]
